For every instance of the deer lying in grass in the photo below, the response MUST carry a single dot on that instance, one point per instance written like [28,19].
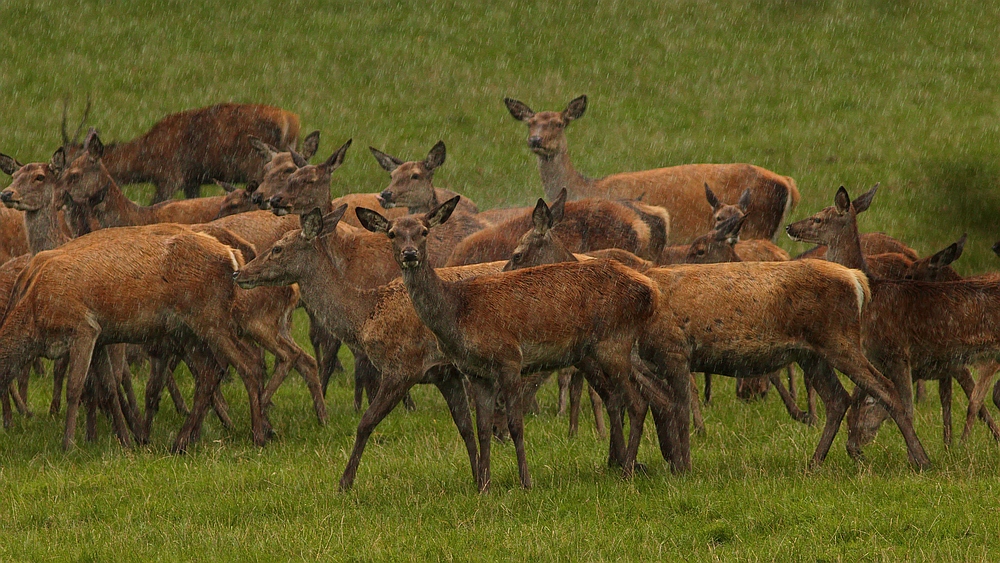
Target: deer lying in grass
[934,268]
[184,150]
[491,328]
[910,326]
[678,189]
[263,315]
[583,226]
[138,284]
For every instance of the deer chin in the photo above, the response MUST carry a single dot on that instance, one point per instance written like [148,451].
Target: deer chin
[280,210]
[385,203]
[409,264]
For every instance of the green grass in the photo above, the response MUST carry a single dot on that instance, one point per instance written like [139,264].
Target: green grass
[828,92]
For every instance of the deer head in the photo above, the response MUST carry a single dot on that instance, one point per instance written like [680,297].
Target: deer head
[410,183]
[831,222]
[547,129]
[539,246]
[309,186]
[409,233]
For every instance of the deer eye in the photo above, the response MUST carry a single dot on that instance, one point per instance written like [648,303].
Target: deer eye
[276,250]
[391,234]
[817,220]
[424,232]
[40,178]
[516,257]
[701,252]
[415,177]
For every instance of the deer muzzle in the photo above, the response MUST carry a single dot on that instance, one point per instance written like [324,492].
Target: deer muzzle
[409,258]
[385,200]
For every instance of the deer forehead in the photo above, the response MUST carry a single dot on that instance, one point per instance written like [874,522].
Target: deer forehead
[546,118]
[407,169]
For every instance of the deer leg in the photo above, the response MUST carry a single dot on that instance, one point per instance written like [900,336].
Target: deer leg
[19,400]
[107,385]
[708,388]
[8,415]
[920,391]
[80,353]
[944,392]
[820,377]
[696,419]
[485,397]
[58,375]
[171,384]
[974,391]
[563,381]
[789,401]
[575,392]
[366,380]
[667,389]
[123,384]
[207,376]
[597,405]
[22,386]
[792,390]
[614,402]
[90,400]
[220,407]
[192,189]
[510,386]
[453,391]
[309,370]
[389,395]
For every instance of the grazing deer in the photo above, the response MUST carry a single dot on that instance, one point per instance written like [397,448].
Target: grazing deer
[582,226]
[910,326]
[184,150]
[491,329]
[678,189]
[411,185]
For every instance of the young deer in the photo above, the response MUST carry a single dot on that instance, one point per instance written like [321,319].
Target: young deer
[910,326]
[679,189]
[491,328]
[184,150]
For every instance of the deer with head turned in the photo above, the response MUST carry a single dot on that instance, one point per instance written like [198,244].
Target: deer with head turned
[411,183]
[910,326]
[184,150]
[491,328]
[278,166]
[678,189]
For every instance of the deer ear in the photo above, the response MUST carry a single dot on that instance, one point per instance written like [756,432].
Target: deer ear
[93,145]
[298,159]
[331,219]
[435,158]
[9,164]
[337,158]
[310,145]
[864,200]
[710,196]
[575,109]
[251,186]
[441,213]
[744,201]
[842,201]
[729,230]
[372,220]
[226,186]
[541,217]
[386,161]
[517,109]
[58,161]
[312,223]
[953,252]
[265,150]
[558,207]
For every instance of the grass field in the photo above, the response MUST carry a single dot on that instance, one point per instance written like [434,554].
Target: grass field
[830,93]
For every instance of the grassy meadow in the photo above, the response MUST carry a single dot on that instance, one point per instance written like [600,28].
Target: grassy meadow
[828,92]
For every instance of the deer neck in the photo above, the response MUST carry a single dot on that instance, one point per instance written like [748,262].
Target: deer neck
[435,304]
[119,211]
[125,162]
[557,173]
[845,249]
[43,228]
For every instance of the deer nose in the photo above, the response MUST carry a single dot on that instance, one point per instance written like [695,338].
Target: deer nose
[409,255]
[6,196]
[257,199]
[275,201]
[534,141]
[385,197]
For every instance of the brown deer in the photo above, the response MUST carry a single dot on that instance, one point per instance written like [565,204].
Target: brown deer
[910,326]
[13,237]
[491,328]
[934,268]
[330,261]
[264,315]
[184,150]
[678,189]
[136,284]
[278,166]
[582,226]
[411,185]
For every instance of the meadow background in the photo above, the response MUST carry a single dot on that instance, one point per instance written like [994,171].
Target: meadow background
[828,92]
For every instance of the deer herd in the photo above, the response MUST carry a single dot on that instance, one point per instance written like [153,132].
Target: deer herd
[631,282]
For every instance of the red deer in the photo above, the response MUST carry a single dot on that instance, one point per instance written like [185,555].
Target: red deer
[136,284]
[278,166]
[330,261]
[412,186]
[910,326]
[678,189]
[184,150]
[13,238]
[871,245]
[491,328]
[263,315]
[582,226]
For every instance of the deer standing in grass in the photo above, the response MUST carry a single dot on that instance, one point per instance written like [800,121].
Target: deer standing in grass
[492,327]
[678,189]
[184,150]
[909,326]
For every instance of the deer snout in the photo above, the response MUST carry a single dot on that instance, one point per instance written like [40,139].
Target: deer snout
[257,199]
[278,205]
[385,199]
[7,196]
[535,141]
[410,258]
